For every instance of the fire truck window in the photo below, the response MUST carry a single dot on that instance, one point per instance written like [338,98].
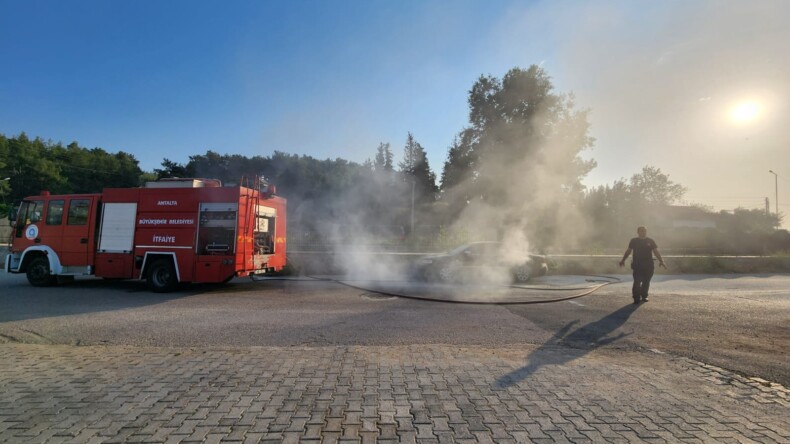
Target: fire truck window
[55,212]
[29,212]
[78,211]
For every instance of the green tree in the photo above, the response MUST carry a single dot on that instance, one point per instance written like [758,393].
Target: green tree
[383,159]
[415,170]
[516,123]
[654,187]
[211,165]
[458,173]
[31,168]
[519,157]
[611,213]
[91,170]
[460,163]
[171,169]
[147,177]
[35,165]
[614,211]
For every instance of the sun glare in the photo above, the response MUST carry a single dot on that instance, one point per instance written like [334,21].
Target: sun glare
[745,112]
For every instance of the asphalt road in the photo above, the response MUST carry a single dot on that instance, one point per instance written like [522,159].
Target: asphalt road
[740,323]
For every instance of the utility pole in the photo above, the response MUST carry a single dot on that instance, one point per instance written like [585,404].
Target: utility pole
[411,232]
[776,186]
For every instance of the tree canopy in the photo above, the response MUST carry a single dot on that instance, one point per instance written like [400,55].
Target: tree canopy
[35,165]
[520,154]
[654,187]
[516,123]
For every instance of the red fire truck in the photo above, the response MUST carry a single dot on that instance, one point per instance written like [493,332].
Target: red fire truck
[169,231]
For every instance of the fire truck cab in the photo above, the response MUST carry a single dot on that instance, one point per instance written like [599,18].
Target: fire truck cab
[169,232]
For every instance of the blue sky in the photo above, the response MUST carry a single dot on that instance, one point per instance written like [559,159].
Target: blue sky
[335,78]
[329,79]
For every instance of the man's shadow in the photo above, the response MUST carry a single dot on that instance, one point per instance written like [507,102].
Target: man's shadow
[590,336]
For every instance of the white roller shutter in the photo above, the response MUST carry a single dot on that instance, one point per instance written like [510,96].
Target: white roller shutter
[117,227]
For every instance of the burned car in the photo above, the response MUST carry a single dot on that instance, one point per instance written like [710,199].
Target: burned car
[481,261]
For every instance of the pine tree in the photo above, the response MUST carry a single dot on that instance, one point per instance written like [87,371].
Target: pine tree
[383,160]
[414,168]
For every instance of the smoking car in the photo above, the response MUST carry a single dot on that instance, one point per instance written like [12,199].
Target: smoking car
[481,260]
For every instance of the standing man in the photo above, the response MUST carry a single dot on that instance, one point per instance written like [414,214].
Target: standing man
[643,248]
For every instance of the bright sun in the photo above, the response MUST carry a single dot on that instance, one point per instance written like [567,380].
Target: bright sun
[745,112]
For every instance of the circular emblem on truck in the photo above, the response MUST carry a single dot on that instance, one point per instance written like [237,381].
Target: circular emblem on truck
[31,232]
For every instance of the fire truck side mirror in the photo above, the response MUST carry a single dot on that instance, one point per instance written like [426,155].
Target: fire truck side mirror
[12,213]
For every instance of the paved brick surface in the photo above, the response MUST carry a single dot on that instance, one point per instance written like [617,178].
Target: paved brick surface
[425,394]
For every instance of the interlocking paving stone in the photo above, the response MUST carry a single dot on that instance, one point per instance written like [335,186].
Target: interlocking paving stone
[425,394]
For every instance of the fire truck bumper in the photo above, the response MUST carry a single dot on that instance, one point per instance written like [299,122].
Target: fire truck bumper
[12,262]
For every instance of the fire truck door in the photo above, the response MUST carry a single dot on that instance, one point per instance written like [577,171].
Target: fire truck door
[27,231]
[51,232]
[78,231]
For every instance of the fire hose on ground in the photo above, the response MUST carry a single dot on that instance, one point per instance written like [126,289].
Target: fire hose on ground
[598,280]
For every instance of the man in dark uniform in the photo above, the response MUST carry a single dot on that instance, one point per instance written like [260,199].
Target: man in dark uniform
[643,248]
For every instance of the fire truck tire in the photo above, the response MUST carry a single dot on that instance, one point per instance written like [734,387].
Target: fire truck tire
[162,276]
[38,273]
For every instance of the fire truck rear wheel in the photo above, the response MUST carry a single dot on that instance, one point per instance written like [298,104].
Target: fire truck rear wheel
[162,276]
[38,273]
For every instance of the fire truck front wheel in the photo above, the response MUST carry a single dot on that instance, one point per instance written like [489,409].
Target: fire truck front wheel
[38,273]
[162,276]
